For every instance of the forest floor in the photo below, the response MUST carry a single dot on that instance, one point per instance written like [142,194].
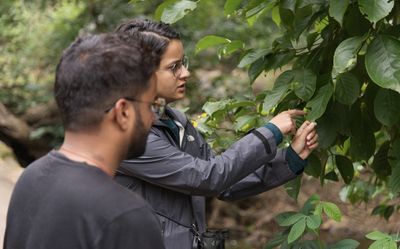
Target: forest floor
[251,221]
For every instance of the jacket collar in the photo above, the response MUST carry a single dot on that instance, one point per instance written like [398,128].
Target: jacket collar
[174,114]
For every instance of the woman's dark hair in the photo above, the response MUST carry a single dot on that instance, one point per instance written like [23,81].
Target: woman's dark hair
[156,35]
[96,70]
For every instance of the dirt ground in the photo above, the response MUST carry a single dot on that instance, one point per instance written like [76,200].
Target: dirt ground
[251,221]
[256,216]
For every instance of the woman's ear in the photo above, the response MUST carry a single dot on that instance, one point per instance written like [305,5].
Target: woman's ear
[124,113]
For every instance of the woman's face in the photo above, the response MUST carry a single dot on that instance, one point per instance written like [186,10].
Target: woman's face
[172,74]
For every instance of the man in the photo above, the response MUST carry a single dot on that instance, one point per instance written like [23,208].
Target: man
[105,91]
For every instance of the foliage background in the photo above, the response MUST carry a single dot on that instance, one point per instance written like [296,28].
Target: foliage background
[340,61]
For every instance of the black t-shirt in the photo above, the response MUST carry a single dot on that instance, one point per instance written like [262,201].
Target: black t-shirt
[59,203]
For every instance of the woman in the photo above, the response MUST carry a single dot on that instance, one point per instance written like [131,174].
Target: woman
[178,169]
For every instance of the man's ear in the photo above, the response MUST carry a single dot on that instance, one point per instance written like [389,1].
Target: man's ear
[124,113]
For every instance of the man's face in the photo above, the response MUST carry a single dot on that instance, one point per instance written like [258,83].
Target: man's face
[144,118]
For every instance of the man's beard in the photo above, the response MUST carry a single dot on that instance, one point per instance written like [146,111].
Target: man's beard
[139,138]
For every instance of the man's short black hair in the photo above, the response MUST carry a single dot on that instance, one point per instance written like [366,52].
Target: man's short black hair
[97,70]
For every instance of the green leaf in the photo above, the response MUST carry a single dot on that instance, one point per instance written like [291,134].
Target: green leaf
[331,176]
[256,69]
[230,6]
[283,216]
[160,9]
[337,9]
[205,129]
[245,123]
[252,56]
[314,167]
[275,241]
[332,211]
[176,10]
[387,106]
[377,235]
[375,10]
[394,180]
[345,57]
[345,244]
[210,41]
[319,102]
[345,167]
[232,46]
[275,16]
[383,244]
[290,220]
[304,84]
[347,88]
[383,62]
[293,187]
[313,221]
[381,164]
[327,132]
[281,86]
[212,107]
[297,230]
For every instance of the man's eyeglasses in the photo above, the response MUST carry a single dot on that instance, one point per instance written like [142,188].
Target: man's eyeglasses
[176,68]
[158,106]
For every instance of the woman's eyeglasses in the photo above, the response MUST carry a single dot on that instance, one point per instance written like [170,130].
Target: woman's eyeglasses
[158,106]
[176,68]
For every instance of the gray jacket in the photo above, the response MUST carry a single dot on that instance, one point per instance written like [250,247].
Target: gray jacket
[175,179]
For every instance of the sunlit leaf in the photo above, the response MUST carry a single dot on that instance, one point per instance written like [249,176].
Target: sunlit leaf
[175,10]
[210,41]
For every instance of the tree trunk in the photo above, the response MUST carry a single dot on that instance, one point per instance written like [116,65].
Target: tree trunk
[15,131]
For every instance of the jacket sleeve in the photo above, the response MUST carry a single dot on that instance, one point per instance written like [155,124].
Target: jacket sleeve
[165,165]
[271,175]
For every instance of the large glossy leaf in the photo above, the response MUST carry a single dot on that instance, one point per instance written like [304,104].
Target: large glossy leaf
[383,62]
[252,56]
[337,9]
[177,10]
[281,86]
[345,167]
[387,106]
[345,244]
[319,102]
[375,10]
[230,6]
[347,88]
[345,57]
[394,180]
[210,41]
[304,83]
[362,142]
[297,230]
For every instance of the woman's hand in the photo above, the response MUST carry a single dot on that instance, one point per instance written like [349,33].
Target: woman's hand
[305,139]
